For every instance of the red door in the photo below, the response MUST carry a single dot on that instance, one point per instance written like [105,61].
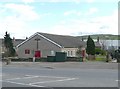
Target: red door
[83,53]
[37,54]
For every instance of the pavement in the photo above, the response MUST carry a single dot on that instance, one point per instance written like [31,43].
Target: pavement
[81,65]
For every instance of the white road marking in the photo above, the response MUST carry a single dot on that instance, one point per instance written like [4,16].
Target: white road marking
[54,81]
[33,76]
[48,76]
[117,80]
[23,84]
[23,78]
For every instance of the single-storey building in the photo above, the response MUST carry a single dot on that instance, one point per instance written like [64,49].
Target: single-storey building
[43,45]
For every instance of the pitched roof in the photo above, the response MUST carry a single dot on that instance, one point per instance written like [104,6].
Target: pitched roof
[64,41]
[18,41]
[15,43]
[59,40]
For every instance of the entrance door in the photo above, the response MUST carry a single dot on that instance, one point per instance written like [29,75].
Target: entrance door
[38,54]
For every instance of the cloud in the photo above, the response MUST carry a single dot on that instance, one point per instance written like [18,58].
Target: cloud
[96,25]
[15,18]
[55,1]
[90,1]
[14,25]
[99,1]
[72,12]
[92,11]
[77,1]
[24,11]
[28,1]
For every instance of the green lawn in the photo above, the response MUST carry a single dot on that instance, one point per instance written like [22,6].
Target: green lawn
[100,58]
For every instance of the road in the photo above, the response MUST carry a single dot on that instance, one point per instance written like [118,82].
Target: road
[70,74]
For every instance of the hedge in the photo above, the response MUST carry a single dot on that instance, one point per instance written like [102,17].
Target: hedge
[27,60]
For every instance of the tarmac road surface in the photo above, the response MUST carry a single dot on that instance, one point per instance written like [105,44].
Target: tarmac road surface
[68,74]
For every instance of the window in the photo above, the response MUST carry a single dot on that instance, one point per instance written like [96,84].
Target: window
[27,51]
[52,53]
[68,53]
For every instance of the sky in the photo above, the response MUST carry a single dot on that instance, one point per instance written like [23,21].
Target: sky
[23,18]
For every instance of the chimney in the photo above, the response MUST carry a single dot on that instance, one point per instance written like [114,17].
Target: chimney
[13,39]
[26,37]
[82,39]
[98,39]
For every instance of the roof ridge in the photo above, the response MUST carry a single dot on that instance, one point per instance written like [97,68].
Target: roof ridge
[56,34]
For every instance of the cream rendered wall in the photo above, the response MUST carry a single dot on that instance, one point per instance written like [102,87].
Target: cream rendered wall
[71,52]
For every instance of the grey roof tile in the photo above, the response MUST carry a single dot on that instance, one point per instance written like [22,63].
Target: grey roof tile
[15,43]
[18,41]
[65,41]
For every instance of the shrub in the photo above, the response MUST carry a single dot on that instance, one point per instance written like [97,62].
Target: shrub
[98,51]
[29,60]
[103,52]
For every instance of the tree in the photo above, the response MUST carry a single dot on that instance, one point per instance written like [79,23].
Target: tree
[10,51]
[117,54]
[98,51]
[90,48]
[79,51]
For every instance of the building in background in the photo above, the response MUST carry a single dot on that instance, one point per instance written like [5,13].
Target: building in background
[110,44]
[106,44]
[15,43]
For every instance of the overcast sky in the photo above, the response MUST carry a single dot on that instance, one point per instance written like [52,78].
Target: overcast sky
[22,18]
